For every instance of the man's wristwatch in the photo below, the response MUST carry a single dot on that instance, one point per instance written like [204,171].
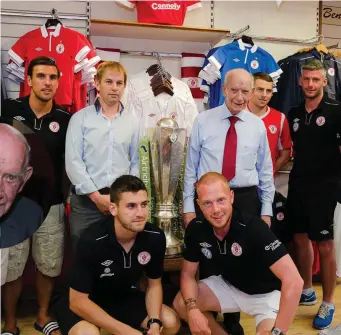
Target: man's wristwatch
[151,321]
[276,331]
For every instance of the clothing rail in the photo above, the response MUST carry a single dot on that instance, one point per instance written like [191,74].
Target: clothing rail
[239,32]
[5,12]
[152,54]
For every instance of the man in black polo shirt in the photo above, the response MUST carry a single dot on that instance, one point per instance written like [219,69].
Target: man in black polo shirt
[315,127]
[49,123]
[111,258]
[253,263]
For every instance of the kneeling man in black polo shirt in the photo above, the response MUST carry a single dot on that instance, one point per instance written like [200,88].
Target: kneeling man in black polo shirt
[111,258]
[257,277]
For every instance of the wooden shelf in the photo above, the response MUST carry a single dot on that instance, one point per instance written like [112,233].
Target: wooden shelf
[156,31]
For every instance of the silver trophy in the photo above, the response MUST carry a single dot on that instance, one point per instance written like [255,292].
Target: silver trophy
[167,148]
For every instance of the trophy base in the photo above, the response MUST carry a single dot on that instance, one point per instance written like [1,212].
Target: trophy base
[174,247]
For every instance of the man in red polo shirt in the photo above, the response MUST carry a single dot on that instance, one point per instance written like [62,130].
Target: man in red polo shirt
[276,123]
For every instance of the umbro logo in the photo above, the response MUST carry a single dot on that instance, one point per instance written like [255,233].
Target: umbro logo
[296,120]
[107,263]
[205,245]
[19,118]
[324,232]
[236,60]
[38,49]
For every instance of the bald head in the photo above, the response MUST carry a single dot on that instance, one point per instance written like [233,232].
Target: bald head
[14,169]
[237,90]
[215,199]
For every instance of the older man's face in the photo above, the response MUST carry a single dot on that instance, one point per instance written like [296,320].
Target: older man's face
[12,178]
[237,92]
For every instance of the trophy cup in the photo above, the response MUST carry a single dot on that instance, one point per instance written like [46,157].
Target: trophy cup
[166,151]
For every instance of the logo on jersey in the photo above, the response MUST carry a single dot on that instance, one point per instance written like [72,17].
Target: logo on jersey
[280,216]
[38,49]
[144,257]
[273,129]
[207,253]
[236,60]
[54,126]
[320,121]
[254,64]
[107,263]
[324,232]
[19,118]
[273,246]
[331,72]
[60,48]
[193,82]
[295,126]
[174,115]
[205,245]
[173,6]
[236,249]
[107,273]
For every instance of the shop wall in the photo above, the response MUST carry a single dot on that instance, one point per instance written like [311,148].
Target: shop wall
[15,26]
[331,22]
[294,19]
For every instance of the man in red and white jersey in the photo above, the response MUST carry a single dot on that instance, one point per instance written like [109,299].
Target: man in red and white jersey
[162,12]
[276,123]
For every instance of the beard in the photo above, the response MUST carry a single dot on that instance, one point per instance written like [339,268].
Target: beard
[130,225]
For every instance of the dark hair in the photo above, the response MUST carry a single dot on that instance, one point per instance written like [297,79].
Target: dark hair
[41,61]
[262,76]
[125,183]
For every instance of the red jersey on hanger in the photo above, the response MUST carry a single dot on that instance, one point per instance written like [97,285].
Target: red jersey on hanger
[162,12]
[62,44]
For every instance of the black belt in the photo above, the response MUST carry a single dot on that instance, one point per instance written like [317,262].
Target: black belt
[103,191]
[244,189]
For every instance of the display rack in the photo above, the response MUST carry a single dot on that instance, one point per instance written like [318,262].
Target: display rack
[156,31]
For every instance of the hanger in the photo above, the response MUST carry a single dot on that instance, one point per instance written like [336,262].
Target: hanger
[247,39]
[321,48]
[153,69]
[54,21]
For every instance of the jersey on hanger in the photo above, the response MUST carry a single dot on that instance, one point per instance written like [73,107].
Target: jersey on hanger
[62,44]
[162,12]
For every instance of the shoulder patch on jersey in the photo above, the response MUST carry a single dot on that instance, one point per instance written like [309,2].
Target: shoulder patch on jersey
[63,111]
[332,104]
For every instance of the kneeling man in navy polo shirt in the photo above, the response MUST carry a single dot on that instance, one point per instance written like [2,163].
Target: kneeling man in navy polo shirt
[111,258]
[255,275]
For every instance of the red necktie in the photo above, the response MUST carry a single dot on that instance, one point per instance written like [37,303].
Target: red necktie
[230,151]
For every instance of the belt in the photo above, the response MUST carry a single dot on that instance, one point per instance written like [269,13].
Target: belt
[103,191]
[244,189]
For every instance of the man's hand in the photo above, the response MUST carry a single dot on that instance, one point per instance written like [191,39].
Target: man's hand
[266,219]
[198,323]
[188,217]
[101,201]
[154,329]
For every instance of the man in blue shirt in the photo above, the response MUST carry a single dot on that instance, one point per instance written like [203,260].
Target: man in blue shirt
[253,174]
[101,145]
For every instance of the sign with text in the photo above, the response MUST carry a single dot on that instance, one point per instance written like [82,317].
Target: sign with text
[331,15]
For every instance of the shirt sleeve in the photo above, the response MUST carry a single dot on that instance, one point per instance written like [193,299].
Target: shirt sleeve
[218,58]
[191,112]
[191,246]
[191,5]
[191,169]
[74,164]
[265,174]
[285,138]
[82,272]
[18,51]
[269,248]
[134,151]
[154,269]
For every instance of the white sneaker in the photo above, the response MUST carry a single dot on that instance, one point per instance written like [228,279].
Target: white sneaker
[332,331]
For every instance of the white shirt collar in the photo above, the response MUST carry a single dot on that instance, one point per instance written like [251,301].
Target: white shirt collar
[55,33]
[242,46]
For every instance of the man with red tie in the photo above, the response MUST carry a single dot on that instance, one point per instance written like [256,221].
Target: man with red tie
[232,141]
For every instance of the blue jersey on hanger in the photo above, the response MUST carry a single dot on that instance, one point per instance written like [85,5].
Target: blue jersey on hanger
[238,55]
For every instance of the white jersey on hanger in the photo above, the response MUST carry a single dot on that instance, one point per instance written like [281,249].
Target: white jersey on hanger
[139,98]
